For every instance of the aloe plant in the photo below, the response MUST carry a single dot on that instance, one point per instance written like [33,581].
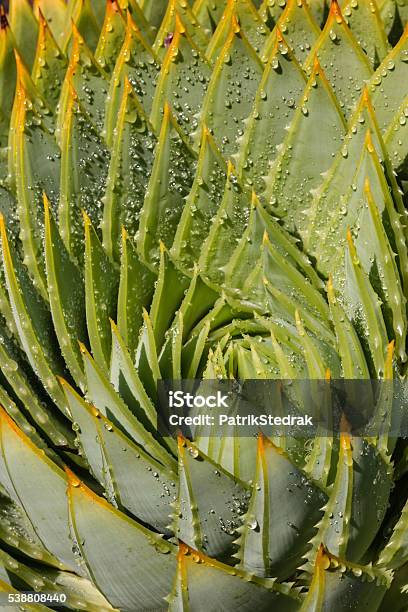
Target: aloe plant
[199,190]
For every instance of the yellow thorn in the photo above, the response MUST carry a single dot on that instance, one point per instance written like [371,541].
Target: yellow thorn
[330,290]
[73,480]
[235,27]
[389,360]
[46,202]
[179,29]
[82,348]
[87,221]
[335,10]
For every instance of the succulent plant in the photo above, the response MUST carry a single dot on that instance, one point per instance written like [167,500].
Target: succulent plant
[207,190]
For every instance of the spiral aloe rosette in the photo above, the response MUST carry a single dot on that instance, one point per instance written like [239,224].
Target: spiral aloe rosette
[199,190]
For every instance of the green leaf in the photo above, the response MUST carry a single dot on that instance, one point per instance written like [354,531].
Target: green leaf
[226,229]
[251,22]
[84,426]
[284,509]
[154,11]
[67,301]
[395,139]
[35,165]
[387,10]
[129,171]
[350,210]
[364,20]
[182,82]
[8,74]
[169,184]
[280,89]
[17,414]
[33,321]
[284,307]
[136,287]
[363,308]
[131,565]
[168,26]
[83,19]
[297,169]
[54,14]
[248,18]
[377,259]
[99,9]
[193,352]
[148,490]
[83,174]
[19,381]
[352,357]
[208,14]
[90,82]
[50,64]
[284,276]
[138,62]
[210,502]
[344,62]
[327,213]
[101,393]
[78,591]
[285,362]
[18,533]
[139,16]
[30,469]
[317,368]
[111,36]
[248,256]
[198,302]
[320,462]
[8,208]
[396,598]
[385,84]
[202,582]
[169,294]
[343,586]
[270,11]
[299,28]
[147,360]
[232,452]
[357,503]
[233,85]
[201,204]
[101,289]
[25,29]
[395,553]
[125,379]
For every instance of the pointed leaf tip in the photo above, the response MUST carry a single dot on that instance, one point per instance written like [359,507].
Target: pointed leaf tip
[179,27]
[73,480]
[335,10]
[235,27]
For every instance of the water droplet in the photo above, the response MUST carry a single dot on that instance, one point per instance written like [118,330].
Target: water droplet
[252,523]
